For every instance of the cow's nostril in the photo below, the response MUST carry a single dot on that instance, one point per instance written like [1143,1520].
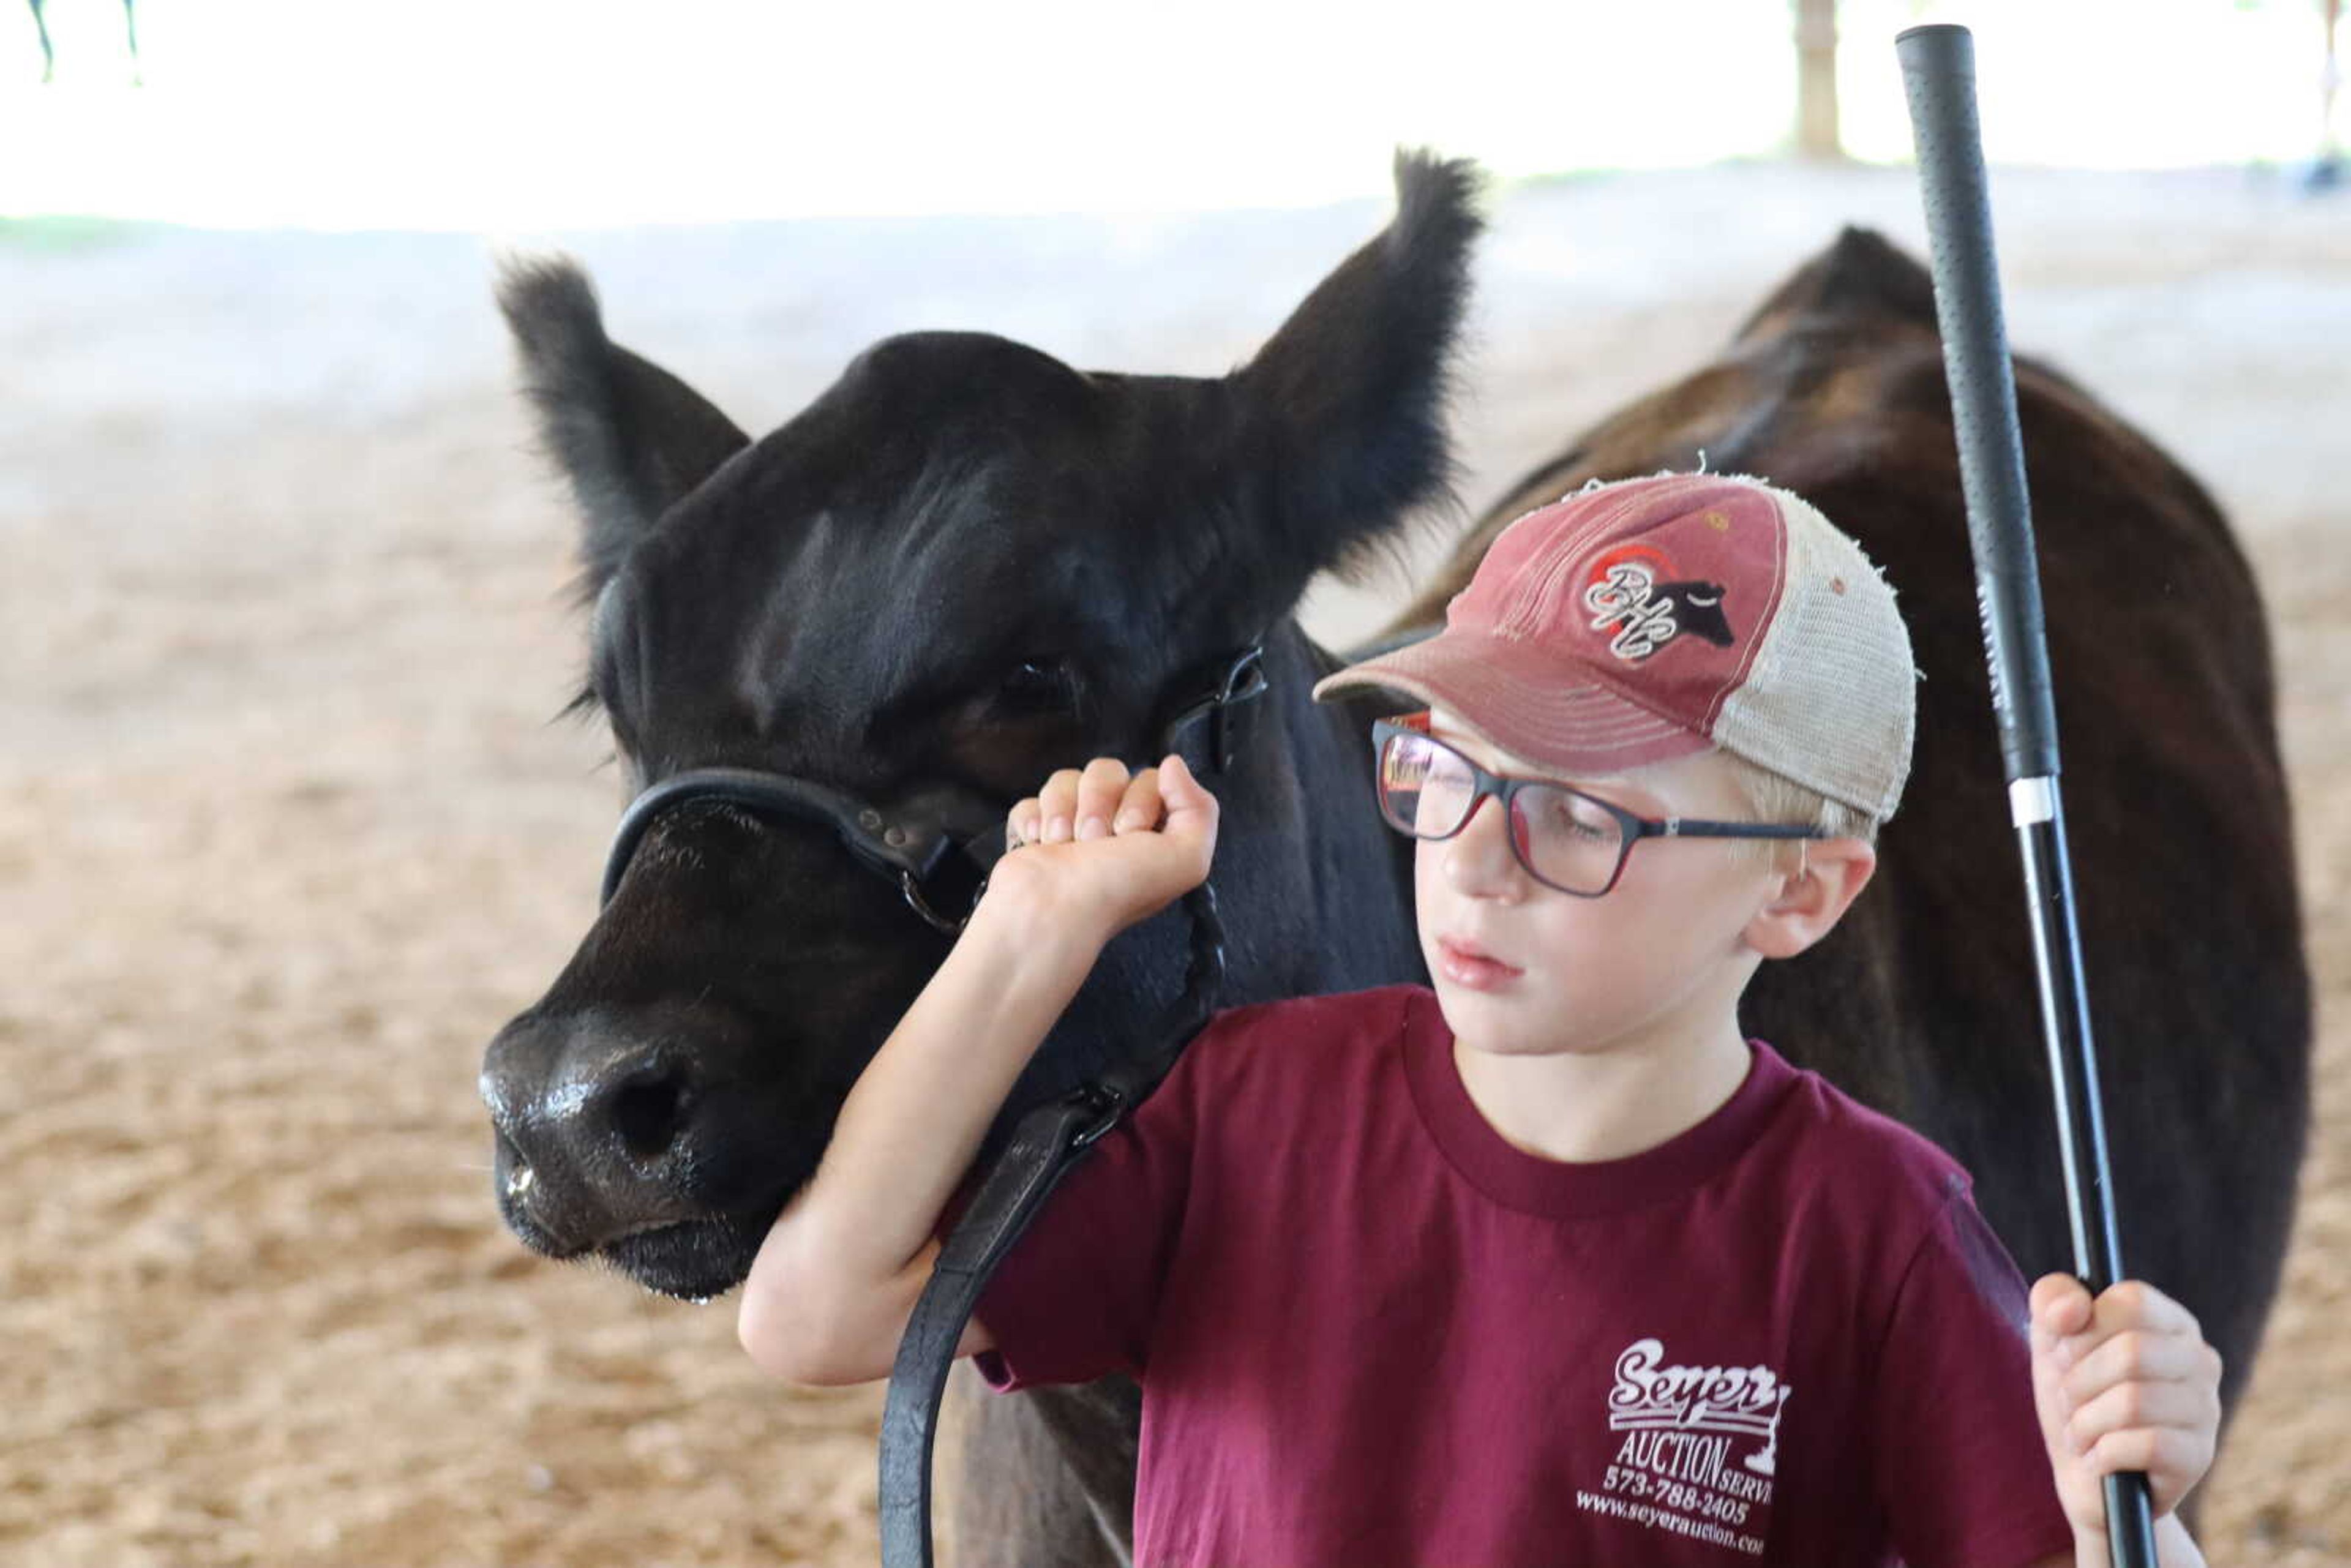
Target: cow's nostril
[512,1169]
[647,1112]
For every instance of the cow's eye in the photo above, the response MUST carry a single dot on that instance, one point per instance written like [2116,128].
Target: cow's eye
[1044,684]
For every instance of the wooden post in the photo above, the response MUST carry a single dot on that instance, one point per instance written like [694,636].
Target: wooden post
[2326,169]
[1816,92]
[2329,79]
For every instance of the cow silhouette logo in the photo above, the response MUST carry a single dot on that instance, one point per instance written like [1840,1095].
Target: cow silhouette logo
[1634,594]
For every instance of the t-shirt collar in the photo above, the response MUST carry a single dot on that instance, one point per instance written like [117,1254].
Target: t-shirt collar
[1512,1176]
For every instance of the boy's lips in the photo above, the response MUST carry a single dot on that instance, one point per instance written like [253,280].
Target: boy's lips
[1467,960]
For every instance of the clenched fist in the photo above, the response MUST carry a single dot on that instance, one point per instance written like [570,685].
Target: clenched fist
[1100,849]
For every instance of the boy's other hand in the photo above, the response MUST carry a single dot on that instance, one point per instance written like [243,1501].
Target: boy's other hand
[1103,848]
[2123,1383]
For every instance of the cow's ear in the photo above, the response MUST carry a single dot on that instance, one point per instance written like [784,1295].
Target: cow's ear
[631,437]
[1861,273]
[1350,396]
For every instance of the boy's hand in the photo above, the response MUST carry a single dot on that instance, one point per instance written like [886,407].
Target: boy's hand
[1103,850]
[2126,1383]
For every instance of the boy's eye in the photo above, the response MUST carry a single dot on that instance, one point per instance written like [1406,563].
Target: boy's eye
[1572,816]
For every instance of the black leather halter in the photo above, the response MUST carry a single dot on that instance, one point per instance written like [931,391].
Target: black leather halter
[913,845]
[932,845]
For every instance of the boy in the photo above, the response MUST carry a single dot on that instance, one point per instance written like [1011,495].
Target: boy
[1550,1264]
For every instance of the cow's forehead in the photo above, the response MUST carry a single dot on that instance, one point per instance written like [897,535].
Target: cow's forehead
[1017,523]
[792,594]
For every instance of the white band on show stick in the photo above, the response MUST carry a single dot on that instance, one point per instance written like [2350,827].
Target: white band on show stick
[2032,800]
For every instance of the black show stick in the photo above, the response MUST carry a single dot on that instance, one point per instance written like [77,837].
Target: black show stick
[1938,75]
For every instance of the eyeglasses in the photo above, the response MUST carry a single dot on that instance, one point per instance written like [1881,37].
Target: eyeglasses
[1566,839]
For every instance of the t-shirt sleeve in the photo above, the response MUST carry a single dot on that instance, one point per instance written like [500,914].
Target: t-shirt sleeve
[1074,1298]
[1961,1471]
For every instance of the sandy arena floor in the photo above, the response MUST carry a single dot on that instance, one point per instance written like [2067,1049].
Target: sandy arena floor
[285,832]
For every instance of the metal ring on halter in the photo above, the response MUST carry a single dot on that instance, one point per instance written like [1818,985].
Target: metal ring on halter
[913,888]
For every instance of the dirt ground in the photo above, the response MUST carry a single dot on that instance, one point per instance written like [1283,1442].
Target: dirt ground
[286,830]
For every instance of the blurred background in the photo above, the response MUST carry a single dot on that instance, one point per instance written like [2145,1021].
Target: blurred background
[460,115]
[287,827]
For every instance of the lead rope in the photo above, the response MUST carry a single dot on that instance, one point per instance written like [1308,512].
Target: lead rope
[1046,1145]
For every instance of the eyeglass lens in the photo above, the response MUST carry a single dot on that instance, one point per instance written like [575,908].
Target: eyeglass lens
[1429,789]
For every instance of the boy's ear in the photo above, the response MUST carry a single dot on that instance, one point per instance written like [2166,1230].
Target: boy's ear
[1812,897]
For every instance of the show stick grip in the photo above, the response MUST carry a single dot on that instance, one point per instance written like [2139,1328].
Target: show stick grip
[1938,73]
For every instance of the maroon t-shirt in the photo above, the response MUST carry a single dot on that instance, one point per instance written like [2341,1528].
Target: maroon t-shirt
[1371,1333]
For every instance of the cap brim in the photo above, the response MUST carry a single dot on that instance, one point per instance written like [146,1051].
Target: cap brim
[1529,704]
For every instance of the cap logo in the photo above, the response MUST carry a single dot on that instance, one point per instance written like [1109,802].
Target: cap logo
[1647,614]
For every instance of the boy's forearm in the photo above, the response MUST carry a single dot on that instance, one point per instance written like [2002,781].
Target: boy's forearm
[836,1263]
[909,1129]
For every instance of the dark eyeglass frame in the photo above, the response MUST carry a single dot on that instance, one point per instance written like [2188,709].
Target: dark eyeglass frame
[1505,789]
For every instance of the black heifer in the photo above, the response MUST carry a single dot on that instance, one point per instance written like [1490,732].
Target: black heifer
[966,563]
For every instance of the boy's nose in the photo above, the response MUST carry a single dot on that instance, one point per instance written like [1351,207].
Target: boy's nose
[1479,859]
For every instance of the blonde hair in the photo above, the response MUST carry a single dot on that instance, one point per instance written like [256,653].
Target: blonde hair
[1775,798]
